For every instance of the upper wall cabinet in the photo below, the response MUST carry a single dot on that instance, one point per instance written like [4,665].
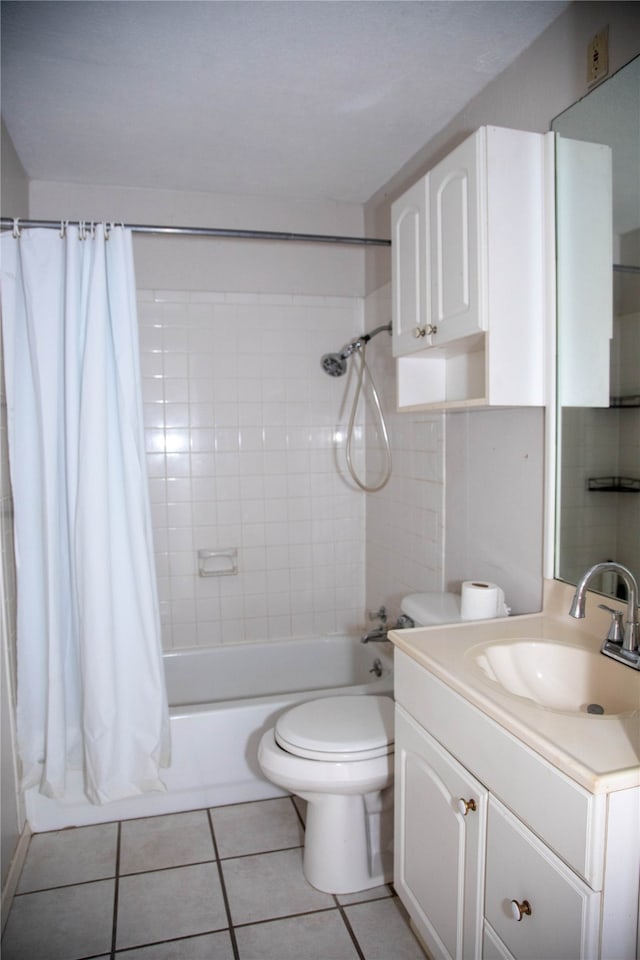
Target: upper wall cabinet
[472,246]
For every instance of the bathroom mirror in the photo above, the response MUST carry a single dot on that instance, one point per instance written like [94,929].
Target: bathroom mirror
[598,358]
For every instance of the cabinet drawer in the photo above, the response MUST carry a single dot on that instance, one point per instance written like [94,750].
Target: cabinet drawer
[564,917]
[492,946]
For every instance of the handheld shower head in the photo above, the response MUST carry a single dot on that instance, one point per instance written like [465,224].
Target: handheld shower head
[334,364]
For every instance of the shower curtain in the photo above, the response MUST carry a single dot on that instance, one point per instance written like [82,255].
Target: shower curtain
[91,692]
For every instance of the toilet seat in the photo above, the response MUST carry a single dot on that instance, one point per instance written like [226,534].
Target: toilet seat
[338,728]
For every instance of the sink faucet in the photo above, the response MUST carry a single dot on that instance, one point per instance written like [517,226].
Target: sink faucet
[628,651]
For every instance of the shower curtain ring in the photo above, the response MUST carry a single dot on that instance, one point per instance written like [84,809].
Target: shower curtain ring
[107,230]
[63,229]
[16,228]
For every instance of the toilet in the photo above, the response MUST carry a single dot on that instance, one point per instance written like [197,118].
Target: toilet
[337,754]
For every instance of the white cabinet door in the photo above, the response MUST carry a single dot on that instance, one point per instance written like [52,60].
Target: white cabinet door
[456,250]
[439,849]
[410,269]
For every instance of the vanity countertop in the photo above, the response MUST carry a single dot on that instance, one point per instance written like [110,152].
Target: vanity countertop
[602,753]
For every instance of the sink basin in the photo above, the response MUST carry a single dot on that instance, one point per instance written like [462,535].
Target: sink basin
[558,676]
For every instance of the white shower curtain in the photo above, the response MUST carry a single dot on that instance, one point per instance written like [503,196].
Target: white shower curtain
[91,691]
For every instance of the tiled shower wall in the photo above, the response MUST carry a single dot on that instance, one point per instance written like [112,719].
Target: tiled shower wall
[245,441]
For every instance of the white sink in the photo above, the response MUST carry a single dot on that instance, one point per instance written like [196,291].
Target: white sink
[558,676]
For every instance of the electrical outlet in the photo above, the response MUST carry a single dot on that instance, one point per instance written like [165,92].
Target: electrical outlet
[598,56]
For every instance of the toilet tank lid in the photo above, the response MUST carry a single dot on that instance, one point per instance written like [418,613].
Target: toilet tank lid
[427,609]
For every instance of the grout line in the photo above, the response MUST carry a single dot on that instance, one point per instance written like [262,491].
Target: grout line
[64,886]
[175,866]
[260,853]
[345,920]
[232,933]
[285,916]
[116,889]
[122,953]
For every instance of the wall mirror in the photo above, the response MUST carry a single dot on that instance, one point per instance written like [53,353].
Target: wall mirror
[598,358]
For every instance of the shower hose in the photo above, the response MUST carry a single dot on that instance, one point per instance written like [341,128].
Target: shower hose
[364,370]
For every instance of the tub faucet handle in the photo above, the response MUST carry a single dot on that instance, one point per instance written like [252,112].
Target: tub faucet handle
[380,614]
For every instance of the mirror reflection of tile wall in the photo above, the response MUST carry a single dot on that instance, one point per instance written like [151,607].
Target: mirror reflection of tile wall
[605,442]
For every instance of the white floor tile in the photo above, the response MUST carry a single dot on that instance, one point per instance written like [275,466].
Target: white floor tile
[170,901]
[315,936]
[212,946]
[270,885]
[154,843]
[62,924]
[70,856]
[256,827]
[168,904]
[382,930]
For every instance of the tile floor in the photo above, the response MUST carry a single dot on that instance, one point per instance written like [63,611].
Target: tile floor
[218,884]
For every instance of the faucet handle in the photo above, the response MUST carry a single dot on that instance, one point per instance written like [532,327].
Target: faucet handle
[380,614]
[616,630]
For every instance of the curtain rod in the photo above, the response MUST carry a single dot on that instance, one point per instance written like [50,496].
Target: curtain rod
[9,223]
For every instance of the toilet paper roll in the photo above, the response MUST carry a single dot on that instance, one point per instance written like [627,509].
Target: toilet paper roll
[481,600]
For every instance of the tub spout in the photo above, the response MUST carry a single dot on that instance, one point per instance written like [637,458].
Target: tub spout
[374,636]
[380,633]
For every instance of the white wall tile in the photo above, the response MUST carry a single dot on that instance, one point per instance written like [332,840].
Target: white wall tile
[237,415]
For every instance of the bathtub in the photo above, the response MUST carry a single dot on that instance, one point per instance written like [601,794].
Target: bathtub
[221,700]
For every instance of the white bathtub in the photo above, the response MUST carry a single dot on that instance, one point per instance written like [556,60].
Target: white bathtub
[222,700]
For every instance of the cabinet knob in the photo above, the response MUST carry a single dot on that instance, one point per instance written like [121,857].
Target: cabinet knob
[466,806]
[520,910]
[428,331]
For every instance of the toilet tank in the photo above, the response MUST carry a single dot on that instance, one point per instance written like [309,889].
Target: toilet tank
[428,609]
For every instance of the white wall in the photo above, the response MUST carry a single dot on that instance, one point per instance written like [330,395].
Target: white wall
[14,194]
[12,813]
[216,264]
[487,537]
[14,189]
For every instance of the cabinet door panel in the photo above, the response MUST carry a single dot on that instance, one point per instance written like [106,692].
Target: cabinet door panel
[564,913]
[455,250]
[409,253]
[439,851]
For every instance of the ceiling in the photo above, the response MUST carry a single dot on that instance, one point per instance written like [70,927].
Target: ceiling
[299,99]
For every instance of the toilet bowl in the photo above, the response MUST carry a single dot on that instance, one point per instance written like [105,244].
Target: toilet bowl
[337,754]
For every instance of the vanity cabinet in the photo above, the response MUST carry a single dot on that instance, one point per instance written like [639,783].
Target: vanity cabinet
[497,853]
[471,246]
